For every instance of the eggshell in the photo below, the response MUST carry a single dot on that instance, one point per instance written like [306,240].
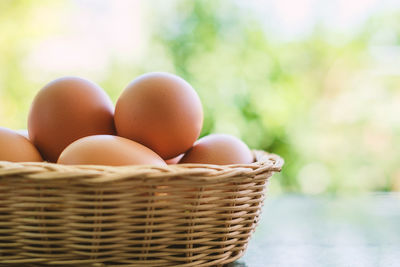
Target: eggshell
[65,110]
[220,149]
[161,111]
[15,147]
[108,150]
[174,160]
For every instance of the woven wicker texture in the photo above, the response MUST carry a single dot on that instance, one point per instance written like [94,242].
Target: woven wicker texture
[179,215]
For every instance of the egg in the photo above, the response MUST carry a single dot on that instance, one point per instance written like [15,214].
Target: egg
[174,160]
[161,111]
[219,149]
[108,150]
[65,110]
[15,147]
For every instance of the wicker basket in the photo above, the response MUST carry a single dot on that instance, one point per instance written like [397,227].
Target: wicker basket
[179,215]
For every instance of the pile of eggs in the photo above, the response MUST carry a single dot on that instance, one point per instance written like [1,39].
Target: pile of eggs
[156,121]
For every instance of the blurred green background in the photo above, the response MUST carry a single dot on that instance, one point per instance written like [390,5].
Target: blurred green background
[314,81]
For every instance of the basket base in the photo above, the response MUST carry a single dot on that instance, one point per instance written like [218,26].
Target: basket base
[97,263]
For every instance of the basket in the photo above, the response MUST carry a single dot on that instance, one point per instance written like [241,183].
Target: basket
[178,215]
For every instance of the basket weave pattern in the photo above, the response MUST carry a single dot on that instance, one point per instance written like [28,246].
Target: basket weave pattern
[179,215]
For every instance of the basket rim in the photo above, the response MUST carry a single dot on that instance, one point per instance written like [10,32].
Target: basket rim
[264,162]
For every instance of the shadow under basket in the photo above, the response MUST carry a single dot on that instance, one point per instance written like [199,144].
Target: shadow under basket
[178,215]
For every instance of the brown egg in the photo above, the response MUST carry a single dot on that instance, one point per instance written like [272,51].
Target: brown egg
[15,147]
[160,111]
[220,149]
[108,150]
[65,110]
[174,160]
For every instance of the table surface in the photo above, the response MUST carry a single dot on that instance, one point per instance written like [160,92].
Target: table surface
[351,231]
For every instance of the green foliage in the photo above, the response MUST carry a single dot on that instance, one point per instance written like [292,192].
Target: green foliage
[269,92]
